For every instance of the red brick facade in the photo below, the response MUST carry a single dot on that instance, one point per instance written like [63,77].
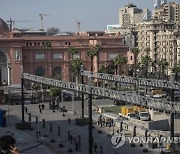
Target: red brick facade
[31,53]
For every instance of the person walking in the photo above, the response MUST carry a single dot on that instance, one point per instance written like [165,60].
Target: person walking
[101,149]
[69,121]
[29,117]
[25,108]
[76,145]
[79,142]
[95,147]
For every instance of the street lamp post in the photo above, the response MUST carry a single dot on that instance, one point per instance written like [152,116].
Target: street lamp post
[82,94]
[22,93]
[172,119]
[90,118]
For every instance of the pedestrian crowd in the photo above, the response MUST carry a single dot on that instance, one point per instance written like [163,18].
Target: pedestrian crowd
[105,122]
[76,140]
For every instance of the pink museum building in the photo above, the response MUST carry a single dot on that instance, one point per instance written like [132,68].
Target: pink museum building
[27,50]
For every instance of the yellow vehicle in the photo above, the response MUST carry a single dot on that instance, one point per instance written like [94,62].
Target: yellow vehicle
[126,109]
[138,109]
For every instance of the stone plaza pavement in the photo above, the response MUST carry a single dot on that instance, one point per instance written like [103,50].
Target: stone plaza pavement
[28,142]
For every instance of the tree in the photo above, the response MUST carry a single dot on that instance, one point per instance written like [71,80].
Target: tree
[118,62]
[146,60]
[104,69]
[176,71]
[147,50]
[135,51]
[92,52]
[52,31]
[76,67]
[55,91]
[47,45]
[163,65]
[72,51]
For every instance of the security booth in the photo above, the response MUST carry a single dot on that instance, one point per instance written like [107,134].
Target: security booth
[2,118]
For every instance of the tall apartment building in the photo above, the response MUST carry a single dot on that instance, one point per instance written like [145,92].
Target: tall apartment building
[161,37]
[130,15]
[168,12]
[159,3]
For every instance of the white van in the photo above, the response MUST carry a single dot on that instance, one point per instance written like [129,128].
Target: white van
[145,116]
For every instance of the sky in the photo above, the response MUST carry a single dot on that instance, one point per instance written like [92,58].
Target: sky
[93,15]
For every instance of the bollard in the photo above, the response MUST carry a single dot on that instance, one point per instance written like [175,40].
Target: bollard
[121,126]
[68,135]
[134,131]
[29,117]
[146,134]
[51,129]
[36,119]
[59,131]
[43,123]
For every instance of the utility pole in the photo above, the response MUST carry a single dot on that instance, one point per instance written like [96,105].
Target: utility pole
[22,94]
[82,94]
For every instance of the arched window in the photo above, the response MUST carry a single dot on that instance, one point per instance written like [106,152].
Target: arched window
[57,72]
[40,71]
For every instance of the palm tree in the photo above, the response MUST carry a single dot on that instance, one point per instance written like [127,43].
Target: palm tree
[176,71]
[147,50]
[94,51]
[163,64]
[104,69]
[135,51]
[146,60]
[118,62]
[47,45]
[76,67]
[72,51]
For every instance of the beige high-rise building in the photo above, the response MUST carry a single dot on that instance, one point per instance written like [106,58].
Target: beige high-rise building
[161,37]
[168,12]
[130,15]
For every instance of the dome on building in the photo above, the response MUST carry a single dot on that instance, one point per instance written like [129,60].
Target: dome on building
[3,26]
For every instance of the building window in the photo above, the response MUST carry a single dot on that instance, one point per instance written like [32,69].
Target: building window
[39,56]
[57,56]
[57,72]
[2,58]
[76,55]
[67,43]
[40,71]
[17,55]
[111,56]
[131,58]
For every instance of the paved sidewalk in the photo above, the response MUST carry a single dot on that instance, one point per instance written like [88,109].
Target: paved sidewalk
[29,138]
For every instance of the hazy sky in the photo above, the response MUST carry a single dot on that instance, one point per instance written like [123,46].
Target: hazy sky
[92,14]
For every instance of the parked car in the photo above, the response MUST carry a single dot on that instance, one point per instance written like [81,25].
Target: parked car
[145,116]
[132,115]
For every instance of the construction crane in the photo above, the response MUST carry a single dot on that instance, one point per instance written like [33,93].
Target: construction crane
[12,23]
[78,25]
[42,17]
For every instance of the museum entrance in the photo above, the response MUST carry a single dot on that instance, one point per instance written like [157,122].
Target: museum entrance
[3,69]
